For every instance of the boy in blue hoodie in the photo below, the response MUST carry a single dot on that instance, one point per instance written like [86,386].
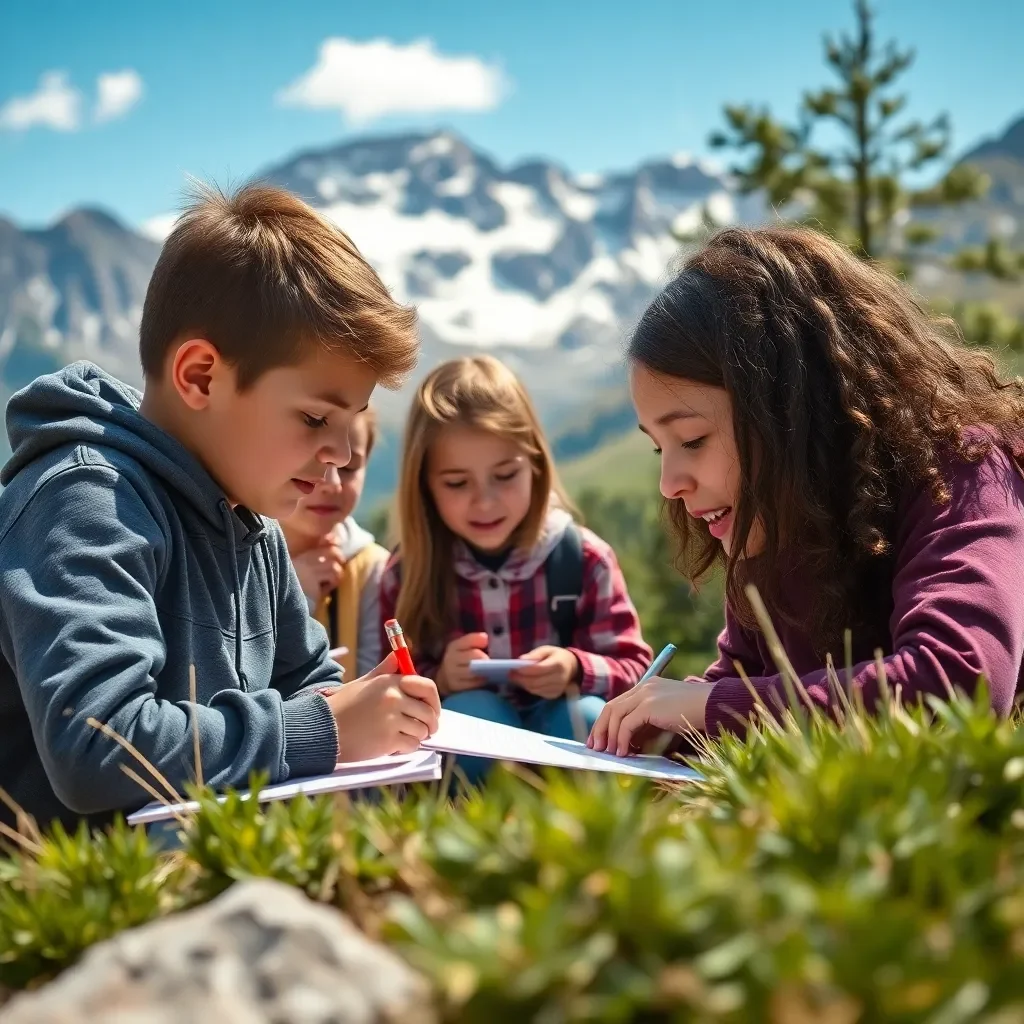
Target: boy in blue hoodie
[136,539]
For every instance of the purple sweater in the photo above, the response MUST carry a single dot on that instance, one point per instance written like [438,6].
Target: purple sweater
[958,606]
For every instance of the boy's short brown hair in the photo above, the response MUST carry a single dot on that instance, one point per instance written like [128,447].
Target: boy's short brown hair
[263,277]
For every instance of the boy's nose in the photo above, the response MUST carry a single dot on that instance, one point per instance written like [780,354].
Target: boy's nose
[337,455]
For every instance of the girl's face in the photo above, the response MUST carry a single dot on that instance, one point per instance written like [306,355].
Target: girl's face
[691,427]
[481,485]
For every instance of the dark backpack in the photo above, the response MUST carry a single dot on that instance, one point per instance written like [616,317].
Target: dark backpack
[563,572]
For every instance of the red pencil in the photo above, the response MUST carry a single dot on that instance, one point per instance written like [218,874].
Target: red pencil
[396,637]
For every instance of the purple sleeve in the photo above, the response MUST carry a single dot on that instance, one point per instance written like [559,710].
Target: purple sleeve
[958,604]
[735,644]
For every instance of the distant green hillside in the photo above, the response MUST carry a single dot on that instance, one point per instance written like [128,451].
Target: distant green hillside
[626,464]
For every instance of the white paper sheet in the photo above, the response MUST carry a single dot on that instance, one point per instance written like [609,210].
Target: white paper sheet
[462,734]
[420,766]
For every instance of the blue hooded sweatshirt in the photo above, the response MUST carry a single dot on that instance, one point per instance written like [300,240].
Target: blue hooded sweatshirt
[122,564]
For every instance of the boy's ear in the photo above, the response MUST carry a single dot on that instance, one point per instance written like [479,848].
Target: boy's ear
[197,369]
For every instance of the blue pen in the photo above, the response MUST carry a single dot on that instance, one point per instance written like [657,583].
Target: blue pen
[659,663]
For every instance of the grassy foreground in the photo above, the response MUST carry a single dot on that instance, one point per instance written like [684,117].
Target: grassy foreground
[862,872]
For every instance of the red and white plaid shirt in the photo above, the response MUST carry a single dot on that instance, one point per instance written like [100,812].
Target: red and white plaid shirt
[511,607]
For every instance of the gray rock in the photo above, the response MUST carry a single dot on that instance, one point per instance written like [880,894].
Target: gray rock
[260,954]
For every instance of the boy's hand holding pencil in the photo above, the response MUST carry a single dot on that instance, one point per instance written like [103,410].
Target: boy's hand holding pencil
[384,712]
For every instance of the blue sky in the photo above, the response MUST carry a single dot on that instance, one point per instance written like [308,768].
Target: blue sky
[153,91]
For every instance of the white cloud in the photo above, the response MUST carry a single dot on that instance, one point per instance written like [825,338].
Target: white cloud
[55,104]
[366,81]
[160,226]
[116,93]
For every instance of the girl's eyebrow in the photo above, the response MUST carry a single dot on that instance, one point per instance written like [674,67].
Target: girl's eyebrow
[670,417]
[497,465]
[674,416]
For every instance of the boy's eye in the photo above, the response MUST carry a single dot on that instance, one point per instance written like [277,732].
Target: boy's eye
[314,422]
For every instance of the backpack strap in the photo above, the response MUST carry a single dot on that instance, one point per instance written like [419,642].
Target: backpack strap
[563,572]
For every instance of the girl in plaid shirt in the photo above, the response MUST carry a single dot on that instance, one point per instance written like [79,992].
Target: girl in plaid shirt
[480,510]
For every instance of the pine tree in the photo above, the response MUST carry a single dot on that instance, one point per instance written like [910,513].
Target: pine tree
[856,188]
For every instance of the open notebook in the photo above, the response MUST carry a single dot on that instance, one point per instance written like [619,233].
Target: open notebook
[421,766]
[456,734]
[461,734]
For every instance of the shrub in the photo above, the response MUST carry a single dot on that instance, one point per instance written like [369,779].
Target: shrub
[59,897]
[872,870]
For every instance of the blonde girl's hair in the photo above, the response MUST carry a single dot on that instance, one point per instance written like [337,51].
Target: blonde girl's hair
[481,393]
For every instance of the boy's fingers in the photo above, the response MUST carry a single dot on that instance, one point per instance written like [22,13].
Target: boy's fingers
[419,711]
[405,744]
[414,728]
[422,690]
[388,667]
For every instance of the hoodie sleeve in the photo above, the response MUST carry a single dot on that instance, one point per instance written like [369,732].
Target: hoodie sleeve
[301,661]
[79,568]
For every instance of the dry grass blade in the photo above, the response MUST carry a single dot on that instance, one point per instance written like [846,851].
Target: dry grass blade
[856,693]
[579,727]
[528,774]
[193,707]
[842,698]
[883,679]
[144,761]
[795,689]
[850,715]
[21,839]
[153,792]
[758,700]
[444,784]
[22,817]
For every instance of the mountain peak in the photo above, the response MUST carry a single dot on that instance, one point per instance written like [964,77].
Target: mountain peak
[1009,144]
[91,217]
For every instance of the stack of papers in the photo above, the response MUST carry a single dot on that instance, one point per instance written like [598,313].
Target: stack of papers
[461,734]
[421,766]
[456,734]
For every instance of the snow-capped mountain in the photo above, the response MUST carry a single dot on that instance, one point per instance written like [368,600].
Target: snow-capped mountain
[543,268]
[72,290]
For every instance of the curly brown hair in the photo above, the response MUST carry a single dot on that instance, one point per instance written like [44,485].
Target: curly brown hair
[844,393]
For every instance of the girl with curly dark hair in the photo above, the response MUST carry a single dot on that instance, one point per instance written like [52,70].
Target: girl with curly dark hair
[826,440]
